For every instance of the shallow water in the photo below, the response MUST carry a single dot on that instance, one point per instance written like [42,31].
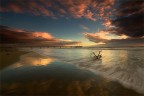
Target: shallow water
[73,72]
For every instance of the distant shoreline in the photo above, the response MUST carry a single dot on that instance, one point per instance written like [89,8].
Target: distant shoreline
[56,47]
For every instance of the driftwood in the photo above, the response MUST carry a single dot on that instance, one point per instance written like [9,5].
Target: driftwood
[97,56]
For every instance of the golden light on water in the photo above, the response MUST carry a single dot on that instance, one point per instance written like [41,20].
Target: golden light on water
[38,61]
[110,58]
[33,60]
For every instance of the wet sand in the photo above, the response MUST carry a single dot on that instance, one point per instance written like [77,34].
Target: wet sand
[33,74]
[94,86]
[8,56]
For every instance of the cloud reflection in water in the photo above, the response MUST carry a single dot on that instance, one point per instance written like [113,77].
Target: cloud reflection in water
[33,59]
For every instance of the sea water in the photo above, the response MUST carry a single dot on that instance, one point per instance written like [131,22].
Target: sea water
[121,69]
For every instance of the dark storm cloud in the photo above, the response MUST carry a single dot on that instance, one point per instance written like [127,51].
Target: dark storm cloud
[126,26]
[11,35]
[127,42]
[130,18]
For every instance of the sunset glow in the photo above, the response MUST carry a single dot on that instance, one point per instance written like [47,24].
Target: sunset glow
[70,22]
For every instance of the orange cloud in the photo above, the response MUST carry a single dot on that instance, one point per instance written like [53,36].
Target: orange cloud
[44,35]
[104,35]
[18,36]
[90,15]
[77,10]
[38,9]
[88,9]
[111,39]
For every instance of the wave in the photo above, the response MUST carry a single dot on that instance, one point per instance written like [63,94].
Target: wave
[129,74]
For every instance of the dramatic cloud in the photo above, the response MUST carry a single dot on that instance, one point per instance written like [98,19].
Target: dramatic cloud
[43,35]
[126,26]
[103,36]
[89,9]
[17,36]
[113,39]
[129,18]
[22,6]
[123,19]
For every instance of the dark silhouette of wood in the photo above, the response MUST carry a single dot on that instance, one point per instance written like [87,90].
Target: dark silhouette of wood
[97,56]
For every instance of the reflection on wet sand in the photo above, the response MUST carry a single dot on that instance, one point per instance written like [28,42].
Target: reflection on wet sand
[33,59]
[123,66]
[42,75]
[84,84]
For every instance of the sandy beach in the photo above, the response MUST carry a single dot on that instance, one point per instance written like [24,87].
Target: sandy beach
[9,56]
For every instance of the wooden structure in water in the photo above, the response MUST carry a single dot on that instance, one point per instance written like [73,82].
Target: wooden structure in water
[99,56]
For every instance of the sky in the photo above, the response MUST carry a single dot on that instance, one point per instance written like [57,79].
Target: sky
[72,22]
